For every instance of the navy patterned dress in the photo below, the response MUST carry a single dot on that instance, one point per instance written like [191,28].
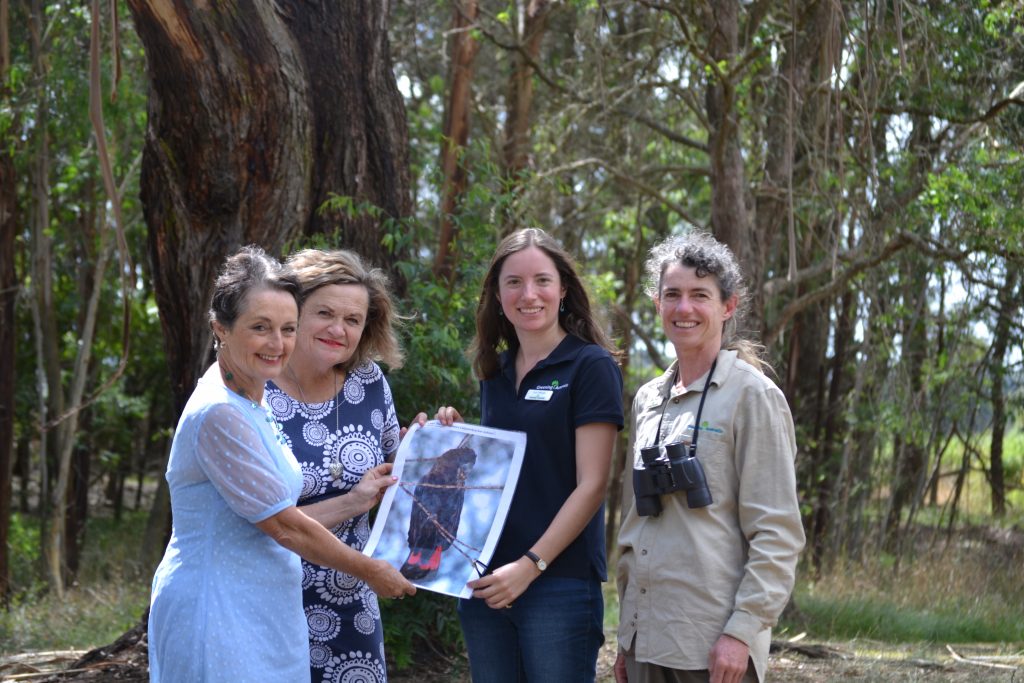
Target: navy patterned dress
[357,430]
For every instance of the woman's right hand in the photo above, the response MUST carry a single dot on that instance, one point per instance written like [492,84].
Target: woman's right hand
[387,582]
[447,415]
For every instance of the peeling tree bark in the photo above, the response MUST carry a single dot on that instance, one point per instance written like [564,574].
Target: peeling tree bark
[258,112]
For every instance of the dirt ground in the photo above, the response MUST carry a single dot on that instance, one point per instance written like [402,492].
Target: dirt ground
[801,662]
[861,662]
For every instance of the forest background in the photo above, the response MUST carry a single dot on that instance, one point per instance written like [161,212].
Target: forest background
[863,159]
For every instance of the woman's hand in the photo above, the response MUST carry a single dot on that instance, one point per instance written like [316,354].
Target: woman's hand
[387,582]
[505,584]
[619,668]
[370,489]
[420,419]
[447,415]
[727,661]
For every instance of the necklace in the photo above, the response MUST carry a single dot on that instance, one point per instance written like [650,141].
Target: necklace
[334,467]
[229,380]
[274,426]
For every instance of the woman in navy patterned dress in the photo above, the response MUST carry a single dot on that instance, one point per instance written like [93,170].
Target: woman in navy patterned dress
[338,416]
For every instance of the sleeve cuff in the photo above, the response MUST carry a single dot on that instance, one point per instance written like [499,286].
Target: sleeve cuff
[744,626]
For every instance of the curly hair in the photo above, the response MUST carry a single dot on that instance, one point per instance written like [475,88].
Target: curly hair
[707,256]
[316,268]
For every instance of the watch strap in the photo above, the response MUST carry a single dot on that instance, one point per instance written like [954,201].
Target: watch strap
[535,558]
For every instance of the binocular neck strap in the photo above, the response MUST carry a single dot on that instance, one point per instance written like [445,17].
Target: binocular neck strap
[700,409]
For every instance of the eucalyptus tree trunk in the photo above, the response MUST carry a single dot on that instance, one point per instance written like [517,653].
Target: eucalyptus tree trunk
[45,333]
[910,459]
[1009,302]
[57,538]
[8,296]
[456,131]
[258,113]
[631,256]
[730,205]
[532,16]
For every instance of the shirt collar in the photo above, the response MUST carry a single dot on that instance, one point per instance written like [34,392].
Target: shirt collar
[565,351]
[663,387]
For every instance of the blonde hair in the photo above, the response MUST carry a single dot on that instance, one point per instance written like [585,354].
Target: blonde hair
[316,268]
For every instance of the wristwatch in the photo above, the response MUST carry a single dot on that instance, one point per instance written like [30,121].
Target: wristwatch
[541,564]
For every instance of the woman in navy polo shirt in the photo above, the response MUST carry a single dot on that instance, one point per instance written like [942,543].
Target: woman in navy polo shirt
[548,369]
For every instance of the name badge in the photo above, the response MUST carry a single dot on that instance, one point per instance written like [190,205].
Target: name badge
[539,394]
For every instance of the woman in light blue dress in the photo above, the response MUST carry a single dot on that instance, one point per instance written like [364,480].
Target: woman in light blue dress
[338,417]
[226,603]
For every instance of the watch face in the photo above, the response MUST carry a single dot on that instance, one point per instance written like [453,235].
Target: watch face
[542,565]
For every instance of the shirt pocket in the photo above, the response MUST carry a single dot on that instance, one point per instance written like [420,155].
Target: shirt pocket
[714,452]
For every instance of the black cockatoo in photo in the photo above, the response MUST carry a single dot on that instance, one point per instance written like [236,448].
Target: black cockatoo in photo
[436,510]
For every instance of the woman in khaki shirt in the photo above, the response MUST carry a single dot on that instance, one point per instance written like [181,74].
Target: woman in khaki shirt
[708,562]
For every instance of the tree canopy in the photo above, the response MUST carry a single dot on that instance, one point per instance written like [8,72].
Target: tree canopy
[862,158]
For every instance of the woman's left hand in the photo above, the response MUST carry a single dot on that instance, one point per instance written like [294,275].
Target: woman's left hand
[500,588]
[371,487]
[727,661]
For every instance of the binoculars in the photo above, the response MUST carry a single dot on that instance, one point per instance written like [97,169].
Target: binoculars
[677,470]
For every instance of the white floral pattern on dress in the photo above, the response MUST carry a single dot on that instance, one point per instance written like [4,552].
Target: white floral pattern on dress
[319,655]
[360,429]
[324,623]
[354,667]
[315,433]
[357,451]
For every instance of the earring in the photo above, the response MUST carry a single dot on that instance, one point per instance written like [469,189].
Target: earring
[501,313]
[561,305]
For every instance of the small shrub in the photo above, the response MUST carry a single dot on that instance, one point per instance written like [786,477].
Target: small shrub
[424,626]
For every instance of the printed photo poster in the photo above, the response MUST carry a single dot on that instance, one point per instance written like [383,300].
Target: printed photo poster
[440,523]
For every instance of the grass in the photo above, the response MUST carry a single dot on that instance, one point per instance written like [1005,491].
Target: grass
[108,597]
[87,617]
[967,591]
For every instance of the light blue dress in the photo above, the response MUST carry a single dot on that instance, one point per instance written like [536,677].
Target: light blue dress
[226,603]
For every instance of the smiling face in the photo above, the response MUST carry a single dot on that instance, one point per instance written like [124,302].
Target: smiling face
[692,311]
[332,323]
[529,290]
[257,347]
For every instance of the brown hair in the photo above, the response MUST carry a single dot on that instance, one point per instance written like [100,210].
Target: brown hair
[316,268]
[494,332]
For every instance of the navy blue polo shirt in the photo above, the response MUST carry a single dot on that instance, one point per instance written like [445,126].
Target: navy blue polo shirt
[582,384]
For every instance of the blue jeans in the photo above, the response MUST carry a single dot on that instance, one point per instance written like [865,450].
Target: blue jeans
[552,632]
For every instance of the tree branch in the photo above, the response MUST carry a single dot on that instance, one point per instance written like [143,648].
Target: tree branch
[859,261]
[629,180]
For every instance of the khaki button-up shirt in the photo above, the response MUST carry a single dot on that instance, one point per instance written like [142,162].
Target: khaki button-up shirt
[688,576]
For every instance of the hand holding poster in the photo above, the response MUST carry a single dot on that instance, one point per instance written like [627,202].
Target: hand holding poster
[440,523]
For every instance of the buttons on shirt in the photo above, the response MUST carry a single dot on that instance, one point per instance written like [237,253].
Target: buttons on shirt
[643,552]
